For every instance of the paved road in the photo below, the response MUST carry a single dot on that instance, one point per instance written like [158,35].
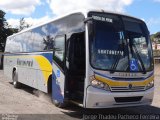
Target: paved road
[27,103]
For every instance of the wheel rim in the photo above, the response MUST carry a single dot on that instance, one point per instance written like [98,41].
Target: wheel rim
[14,82]
[56,102]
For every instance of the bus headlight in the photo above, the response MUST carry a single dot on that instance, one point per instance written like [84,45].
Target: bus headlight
[99,84]
[150,85]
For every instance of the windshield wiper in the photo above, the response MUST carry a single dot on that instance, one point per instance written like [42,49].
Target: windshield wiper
[139,58]
[114,65]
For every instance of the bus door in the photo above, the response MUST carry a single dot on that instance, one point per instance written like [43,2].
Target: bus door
[75,67]
[58,69]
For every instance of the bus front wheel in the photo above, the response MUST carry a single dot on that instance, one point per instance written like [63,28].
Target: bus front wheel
[58,104]
[16,84]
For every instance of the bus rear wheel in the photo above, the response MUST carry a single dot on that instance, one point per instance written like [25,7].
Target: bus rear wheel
[16,84]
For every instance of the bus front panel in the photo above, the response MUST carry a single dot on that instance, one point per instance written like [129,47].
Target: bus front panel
[120,62]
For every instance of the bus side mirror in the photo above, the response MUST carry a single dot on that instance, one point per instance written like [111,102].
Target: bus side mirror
[91,28]
[88,19]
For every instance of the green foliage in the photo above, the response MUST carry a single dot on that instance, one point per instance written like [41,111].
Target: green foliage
[2,19]
[152,38]
[155,38]
[5,31]
[157,35]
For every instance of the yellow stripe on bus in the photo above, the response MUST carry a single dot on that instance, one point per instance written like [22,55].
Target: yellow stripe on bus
[45,66]
[124,83]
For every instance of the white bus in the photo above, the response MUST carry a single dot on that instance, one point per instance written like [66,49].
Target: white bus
[95,59]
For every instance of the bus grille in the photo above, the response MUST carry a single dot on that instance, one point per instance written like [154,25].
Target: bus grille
[128,89]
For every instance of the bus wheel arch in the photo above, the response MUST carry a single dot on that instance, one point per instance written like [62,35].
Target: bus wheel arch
[16,84]
[55,102]
[49,85]
[1,62]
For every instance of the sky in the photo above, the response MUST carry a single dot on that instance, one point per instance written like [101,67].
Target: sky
[39,11]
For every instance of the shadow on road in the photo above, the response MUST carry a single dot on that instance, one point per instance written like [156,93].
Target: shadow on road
[73,112]
[28,89]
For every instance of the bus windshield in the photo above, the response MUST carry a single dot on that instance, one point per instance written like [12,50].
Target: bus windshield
[119,43]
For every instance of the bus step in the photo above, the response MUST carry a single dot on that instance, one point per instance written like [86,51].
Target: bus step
[79,103]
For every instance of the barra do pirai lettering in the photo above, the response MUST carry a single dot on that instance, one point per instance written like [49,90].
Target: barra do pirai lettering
[28,63]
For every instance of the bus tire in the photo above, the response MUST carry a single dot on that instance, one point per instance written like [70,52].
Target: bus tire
[16,84]
[59,105]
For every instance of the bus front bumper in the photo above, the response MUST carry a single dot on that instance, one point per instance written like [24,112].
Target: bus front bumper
[97,98]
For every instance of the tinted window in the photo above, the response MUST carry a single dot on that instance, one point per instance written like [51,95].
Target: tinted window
[20,43]
[59,47]
[43,37]
[108,44]
[27,41]
[120,43]
[14,45]
[38,38]
[138,37]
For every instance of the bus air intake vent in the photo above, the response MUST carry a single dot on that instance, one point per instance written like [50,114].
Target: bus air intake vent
[127,99]
[128,89]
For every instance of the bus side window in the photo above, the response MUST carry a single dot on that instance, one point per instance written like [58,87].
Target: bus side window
[59,50]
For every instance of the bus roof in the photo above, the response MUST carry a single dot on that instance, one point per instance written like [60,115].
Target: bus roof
[83,11]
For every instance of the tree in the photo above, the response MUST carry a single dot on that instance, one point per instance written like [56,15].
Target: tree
[157,35]
[5,31]
[152,37]
[2,19]
[49,43]
[3,34]
[23,25]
